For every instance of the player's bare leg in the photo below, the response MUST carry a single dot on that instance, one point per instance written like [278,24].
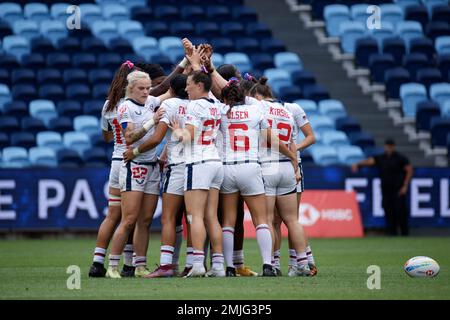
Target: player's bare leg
[270,206]
[189,252]
[277,221]
[229,203]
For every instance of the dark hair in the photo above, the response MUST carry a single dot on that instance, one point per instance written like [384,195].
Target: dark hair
[154,70]
[233,94]
[178,85]
[262,88]
[118,86]
[201,77]
[247,84]
[228,71]
[389,142]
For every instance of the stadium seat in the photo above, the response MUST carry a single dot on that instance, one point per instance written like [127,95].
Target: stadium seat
[5,95]
[104,30]
[435,29]
[428,76]
[445,109]
[348,125]
[324,155]
[109,60]
[172,47]
[15,108]
[115,13]
[60,124]
[392,13]
[415,61]
[75,76]
[91,13]
[78,91]
[69,108]
[182,29]
[24,92]
[9,124]
[302,78]
[350,32]
[23,76]
[262,61]
[362,139]
[417,13]
[258,30]
[440,92]
[156,29]
[244,13]
[193,13]
[22,139]
[33,61]
[288,61]
[309,106]
[272,46]
[146,46]
[315,92]
[95,157]
[277,78]
[393,79]
[396,47]
[9,61]
[349,155]
[166,13]
[43,157]
[424,46]
[32,125]
[93,107]
[289,93]
[332,108]
[49,76]
[4,77]
[321,123]
[87,124]
[439,128]
[59,61]
[334,14]
[54,30]
[100,91]
[68,158]
[10,12]
[411,94]
[15,157]
[379,64]
[141,14]
[5,29]
[54,92]
[41,45]
[58,11]
[441,13]
[78,141]
[93,45]
[223,45]
[365,47]
[409,30]
[386,31]
[4,142]
[247,45]
[36,11]
[373,151]
[100,76]
[26,28]
[334,138]
[426,110]
[218,13]
[240,60]
[16,46]
[442,45]
[43,109]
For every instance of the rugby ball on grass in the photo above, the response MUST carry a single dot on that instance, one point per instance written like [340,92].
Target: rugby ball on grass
[421,266]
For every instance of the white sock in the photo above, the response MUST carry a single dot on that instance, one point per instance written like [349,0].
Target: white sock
[217,261]
[140,261]
[114,260]
[99,255]
[264,240]
[228,244]
[238,258]
[309,255]
[276,259]
[178,242]
[199,257]
[166,255]
[302,259]
[292,258]
[189,257]
[128,255]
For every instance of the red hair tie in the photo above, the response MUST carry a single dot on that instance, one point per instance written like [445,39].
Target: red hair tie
[129,64]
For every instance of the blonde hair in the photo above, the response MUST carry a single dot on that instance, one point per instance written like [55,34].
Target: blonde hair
[132,78]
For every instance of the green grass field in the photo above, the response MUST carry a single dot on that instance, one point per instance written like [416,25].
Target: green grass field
[36,269]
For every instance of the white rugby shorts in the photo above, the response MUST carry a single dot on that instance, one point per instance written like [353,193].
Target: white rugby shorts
[245,178]
[140,176]
[203,175]
[174,179]
[279,178]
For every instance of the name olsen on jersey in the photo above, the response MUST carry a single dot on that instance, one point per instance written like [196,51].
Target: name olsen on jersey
[238,115]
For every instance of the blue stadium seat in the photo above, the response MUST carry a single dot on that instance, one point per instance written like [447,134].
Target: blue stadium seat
[272,46]
[69,108]
[332,108]
[93,45]
[309,106]
[58,60]
[95,157]
[365,47]
[5,77]
[84,61]
[442,45]
[417,13]
[54,92]
[146,46]
[435,29]
[315,92]
[445,107]
[15,157]
[289,93]
[232,29]
[243,13]
[362,139]
[223,45]
[247,45]
[415,61]
[350,154]
[392,13]
[156,29]
[93,107]
[258,30]
[358,12]
[43,157]
[409,30]
[172,47]
[5,95]
[334,138]
[49,76]
[302,78]
[100,91]
[105,30]
[130,30]
[24,92]
[87,124]
[350,32]
[428,76]
[78,91]
[288,61]
[26,28]
[321,123]
[167,13]
[58,11]
[97,76]
[240,60]
[5,29]
[217,59]
[9,124]
[23,139]
[60,124]
[393,79]
[439,128]
[43,109]
[10,12]
[98,141]
[441,13]
[426,110]
[440,92]
[120,46]
[262,61]
[54,30]
[324,155]
[396,47]
[218,13]
[36,11]
[32,125]
[16,109]
[16,46]
[411,94]
[116,13]
[33,61]
[75,76]
[68,158]
[4,142]
[76,140]
[69,45]
[422,45]
[162,60]
[23,76]
[348,125]
[41,45]
[141,14]
[386,31]
[334,14]
[404,4]
[91,13]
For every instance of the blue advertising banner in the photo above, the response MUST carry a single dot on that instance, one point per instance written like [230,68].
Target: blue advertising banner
[76,199]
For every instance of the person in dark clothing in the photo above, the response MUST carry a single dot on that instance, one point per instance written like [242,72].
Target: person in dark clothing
[395,173]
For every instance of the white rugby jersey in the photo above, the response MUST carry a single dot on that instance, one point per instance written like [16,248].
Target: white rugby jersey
[110,123]
[241,130]
[205,116]
[174,107]
[132,112]
[282,123]
[300,120]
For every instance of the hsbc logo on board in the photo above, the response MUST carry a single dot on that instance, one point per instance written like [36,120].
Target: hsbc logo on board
[309,215]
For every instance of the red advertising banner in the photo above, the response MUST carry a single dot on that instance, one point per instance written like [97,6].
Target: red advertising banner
[323,214]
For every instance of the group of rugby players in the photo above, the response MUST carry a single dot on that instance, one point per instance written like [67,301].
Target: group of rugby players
[228,142]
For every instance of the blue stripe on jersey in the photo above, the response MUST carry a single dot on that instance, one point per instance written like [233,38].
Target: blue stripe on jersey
[128,185]
[166,185]
[124,125]
[189,176]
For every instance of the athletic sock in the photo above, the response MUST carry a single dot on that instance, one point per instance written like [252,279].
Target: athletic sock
[292,258]
[189,257]
[228,243]
[128,255]
[99,255]
[302,260]
[276,259]
[114,260]
[309,254]
[238,258]
[217,260]
[264,240]
[199,257]
[166,255]
[140,261]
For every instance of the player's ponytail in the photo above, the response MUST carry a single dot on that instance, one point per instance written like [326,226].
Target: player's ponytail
[262,88]
[118,85]
[232,94]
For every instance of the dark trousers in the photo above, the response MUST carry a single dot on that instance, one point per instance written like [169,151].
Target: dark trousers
[396,213]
